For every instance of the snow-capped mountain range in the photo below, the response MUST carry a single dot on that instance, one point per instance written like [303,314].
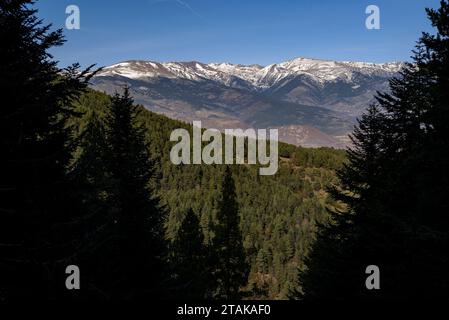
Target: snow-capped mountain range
[298,95]
[260,77]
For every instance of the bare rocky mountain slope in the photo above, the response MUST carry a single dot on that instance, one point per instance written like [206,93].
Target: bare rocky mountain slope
[312,102]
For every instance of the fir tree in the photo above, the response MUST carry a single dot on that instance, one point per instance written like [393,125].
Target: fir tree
[190,260]
[89,170]
[94,182]
[231,270]
[394,188]
[38,233]
[137,213]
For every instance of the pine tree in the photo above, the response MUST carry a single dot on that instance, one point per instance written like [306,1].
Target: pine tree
[394,188]
[262,263]
[138,216]
[89,169]
[231,269]
[336,262]
[189,257]
[37,213]
[94,181]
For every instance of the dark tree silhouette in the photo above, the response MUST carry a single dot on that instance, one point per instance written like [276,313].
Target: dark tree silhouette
[395,189]
[138,216]
[94,182]
[231,269]
[37,218]
[190,261]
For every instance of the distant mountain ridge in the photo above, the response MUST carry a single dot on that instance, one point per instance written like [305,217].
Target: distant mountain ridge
[312,102]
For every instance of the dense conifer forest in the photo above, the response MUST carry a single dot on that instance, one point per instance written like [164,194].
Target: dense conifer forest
[279,214]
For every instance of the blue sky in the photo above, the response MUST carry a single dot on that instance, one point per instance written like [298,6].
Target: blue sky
[237,31]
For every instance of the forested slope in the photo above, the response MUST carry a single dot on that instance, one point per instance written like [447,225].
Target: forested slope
[279,214]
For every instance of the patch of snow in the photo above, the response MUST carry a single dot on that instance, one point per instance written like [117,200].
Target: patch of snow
[319,71]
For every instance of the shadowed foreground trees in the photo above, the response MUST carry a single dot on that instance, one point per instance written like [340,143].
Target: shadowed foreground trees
[38,216]
[395,187]
[97,212]
[190,259]
[138,216]
[231,269]
[113,170]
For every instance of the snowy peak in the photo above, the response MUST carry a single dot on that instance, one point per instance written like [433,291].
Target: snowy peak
[192,70]
[299,96]
[255,76]
[147,69]
[245,72]
[326,70]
